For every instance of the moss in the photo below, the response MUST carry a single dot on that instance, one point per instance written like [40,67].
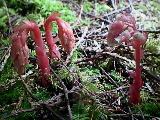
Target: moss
[41,94]
[142,7]
[116,76]
[85,22]
[11,95]
[76,55]
[144,95]
[150,108]
[102,8]
[5,42]
[89,77]
[80,112]
[84,111]
[24,116]
[7,73]
[104,64]
[46,7]
[152,45]
[25,104]
[87,6]
[87,72]
[155,5]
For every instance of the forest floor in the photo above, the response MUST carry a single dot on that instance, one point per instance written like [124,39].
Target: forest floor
[92,82]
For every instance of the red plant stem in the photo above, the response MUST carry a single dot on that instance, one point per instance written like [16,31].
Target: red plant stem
[50,41]
[138,79]
[42,58]
[48,34]
[137,82]
[40,51]
[65,32]
[137,59]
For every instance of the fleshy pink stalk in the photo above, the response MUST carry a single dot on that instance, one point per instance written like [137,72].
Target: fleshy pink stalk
[53,49]
[138,40]
[124,30]
[42,58]
[65,32]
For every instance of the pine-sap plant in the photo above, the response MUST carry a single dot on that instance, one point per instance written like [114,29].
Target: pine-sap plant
[124,30]
[20,50]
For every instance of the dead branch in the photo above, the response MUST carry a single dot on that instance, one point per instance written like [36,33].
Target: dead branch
[66,95]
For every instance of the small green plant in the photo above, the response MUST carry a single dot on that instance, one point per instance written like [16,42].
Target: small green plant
[116,76]
[150,108]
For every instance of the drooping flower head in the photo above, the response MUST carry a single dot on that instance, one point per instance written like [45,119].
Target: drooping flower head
[65,32]
[19,50]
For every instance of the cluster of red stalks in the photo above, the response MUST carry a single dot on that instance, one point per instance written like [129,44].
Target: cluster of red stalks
[123,30]
[20,51]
